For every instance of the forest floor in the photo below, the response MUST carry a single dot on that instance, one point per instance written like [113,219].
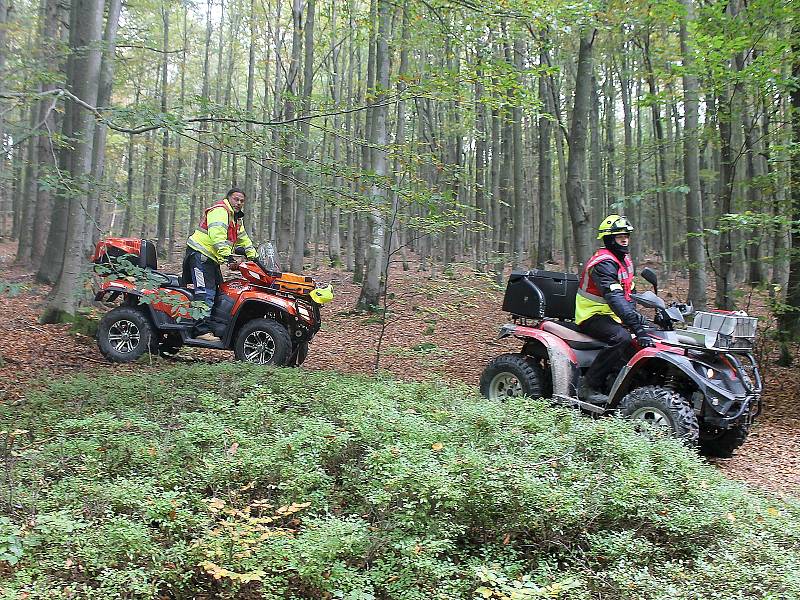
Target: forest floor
[440,327]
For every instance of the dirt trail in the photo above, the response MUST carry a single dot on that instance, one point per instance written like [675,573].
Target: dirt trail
[439,328]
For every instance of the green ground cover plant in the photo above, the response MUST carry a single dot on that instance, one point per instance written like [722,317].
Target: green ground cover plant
[217,481]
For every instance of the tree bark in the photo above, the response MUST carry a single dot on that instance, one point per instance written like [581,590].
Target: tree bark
[371,289]
[304,200]
[249,183]
[83,82]
[691,169]
[93,232]
[544,252]
[518,226]
[6,211]
[287,186]
[790,319]
[576,169]
[163,185]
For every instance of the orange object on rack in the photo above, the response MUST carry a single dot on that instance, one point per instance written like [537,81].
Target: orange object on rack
[297,284]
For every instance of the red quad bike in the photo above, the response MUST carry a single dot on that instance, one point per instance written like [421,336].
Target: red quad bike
[268,316]
[700,382]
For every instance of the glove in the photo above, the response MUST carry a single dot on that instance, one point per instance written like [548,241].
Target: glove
[233,262]
[644,340]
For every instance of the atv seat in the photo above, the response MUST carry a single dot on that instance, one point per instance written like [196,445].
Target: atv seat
[574,338]
[148,259]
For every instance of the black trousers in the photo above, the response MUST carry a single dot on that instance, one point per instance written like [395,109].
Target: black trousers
[611,359]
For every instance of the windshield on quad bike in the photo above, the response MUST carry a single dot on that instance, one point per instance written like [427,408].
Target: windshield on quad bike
[268,257]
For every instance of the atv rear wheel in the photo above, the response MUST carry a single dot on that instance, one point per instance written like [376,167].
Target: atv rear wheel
[124,334]
[662,407]
[724,443]
[511,376]
[263,342]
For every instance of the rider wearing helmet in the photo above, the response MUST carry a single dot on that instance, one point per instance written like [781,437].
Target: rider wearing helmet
[604,307]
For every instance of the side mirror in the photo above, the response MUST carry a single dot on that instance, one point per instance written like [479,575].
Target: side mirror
[650,277]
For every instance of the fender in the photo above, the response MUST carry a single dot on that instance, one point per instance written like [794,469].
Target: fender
[563,361]
[649,356]
[162,314]
[252,298]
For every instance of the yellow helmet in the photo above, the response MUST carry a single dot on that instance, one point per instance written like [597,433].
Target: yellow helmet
[613,225]
[322,295]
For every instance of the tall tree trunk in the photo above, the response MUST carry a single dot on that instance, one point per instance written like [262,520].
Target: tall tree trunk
[665,214]
[31,171]
[610,188]
[249,183]
[481,205]
[790,319]
[576,169]
[287,188]
[371,289]
[179,184]
[92,232]
[217,154]
[518,225]
[163,185]
[83,82]
[691,169]
[597,200]
[628,176]
[304,197]
[547,225]
[127,221]
[46,152]
[51,265]
[336,84]
[6,210]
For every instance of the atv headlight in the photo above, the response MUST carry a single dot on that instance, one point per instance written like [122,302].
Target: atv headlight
[305,312]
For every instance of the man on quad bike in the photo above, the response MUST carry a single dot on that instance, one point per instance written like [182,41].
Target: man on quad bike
[220,233]
[604,304]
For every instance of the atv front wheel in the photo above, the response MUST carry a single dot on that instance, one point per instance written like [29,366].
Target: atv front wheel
[724,443]
[263,342]
[124,334]
[511,376]
[662,407]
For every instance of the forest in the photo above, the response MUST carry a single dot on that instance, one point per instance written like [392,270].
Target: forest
[492,134]
[414,154]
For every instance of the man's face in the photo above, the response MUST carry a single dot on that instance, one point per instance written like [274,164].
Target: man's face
[623,239]
[237,200]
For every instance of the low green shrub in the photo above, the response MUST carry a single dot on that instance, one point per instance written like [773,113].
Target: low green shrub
[232,481]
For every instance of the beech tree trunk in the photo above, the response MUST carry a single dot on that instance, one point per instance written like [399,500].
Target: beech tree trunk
[371,289]
[691,170]
[544,251]
[304,199]
[576,166]
[83,82]
[163,185]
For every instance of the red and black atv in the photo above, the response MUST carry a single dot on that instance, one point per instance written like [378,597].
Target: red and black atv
[700,382]
[266,316]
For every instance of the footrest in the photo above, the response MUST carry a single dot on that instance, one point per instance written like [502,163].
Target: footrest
[204,344]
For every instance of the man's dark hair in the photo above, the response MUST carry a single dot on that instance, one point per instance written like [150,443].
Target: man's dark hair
[233,190]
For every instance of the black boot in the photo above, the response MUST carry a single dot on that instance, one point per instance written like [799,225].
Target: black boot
[586,393]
